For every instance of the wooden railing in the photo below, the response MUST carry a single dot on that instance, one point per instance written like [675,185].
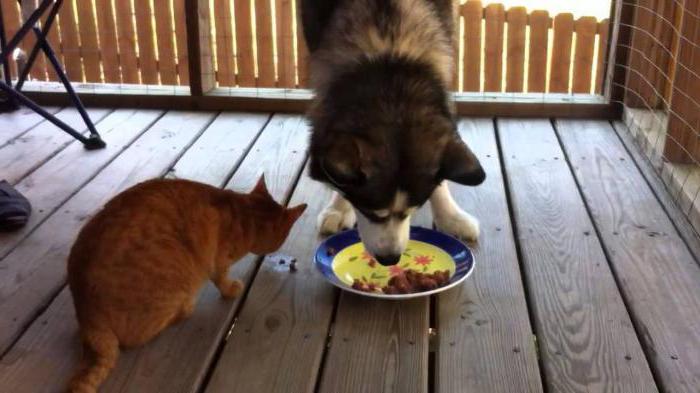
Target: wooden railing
[259,44]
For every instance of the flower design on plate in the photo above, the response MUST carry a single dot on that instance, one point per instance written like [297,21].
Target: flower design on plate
[423,260]
[395,270]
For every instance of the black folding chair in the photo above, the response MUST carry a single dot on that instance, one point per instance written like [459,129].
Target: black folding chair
[14,92]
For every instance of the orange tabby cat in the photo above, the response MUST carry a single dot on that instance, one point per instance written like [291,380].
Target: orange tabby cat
[138,265]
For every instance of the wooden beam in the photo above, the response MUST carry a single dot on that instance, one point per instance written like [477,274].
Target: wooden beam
[199,47]
[618,49]
[297,101]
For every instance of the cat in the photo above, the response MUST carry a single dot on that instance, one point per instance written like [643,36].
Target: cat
[138,265]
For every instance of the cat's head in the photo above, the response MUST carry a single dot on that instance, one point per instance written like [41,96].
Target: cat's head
[274,220]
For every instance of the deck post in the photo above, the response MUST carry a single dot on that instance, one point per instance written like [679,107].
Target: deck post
[199,47]
[618,51]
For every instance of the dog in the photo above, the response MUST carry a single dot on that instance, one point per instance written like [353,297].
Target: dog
[383,130]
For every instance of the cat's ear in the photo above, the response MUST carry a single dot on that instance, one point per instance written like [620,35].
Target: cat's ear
[294,213]
[261,188]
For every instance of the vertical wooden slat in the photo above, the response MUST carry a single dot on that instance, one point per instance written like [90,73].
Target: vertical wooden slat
[515,67]
[539,44]
[109,45]
[11,20]
[70,42]
[493,67]
[200,46]
[682,135]
[265,37]
[586,29]
[183,64]
[127,42]
[165,38]
[226,66]
[561,53]
[147,50]
[603,33]
[55,42]
[89,48]
[473,14]
[285,44]
[244,44]
[652,39]
[302,56]
[38,69]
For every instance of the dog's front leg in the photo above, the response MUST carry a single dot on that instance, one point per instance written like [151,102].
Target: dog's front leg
[450,218]
[337,216]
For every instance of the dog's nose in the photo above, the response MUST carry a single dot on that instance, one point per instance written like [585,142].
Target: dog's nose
[388,260]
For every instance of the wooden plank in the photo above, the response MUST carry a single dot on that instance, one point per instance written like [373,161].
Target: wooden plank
[89,48]
[388,345]
[285,320]
[493,50]
[60,177]
[226,66]
[38,70]
[55,41]
[127,42]
[586,28]
[302,56]
[200,334]
[539,45]
[657,272]
[146,40]
[485,341]
[602,63]
[679,219]
[285,44]
[165,39]
[70,44]
[652,40]
[109,45]
[681,145]
[200,47]
[244,44]
[11,21]
[561,53]
[183,65]
[515,68]
[265,39]
[29,151]
[36,267]
[473,14]
[16,123]
[580,318]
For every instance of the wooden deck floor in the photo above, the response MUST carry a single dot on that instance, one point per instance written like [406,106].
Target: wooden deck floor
[583,283]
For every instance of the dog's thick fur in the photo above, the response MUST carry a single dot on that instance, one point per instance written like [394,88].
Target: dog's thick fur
[384,134]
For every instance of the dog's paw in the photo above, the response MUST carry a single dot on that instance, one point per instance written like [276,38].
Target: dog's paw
[459,224]
[333,220]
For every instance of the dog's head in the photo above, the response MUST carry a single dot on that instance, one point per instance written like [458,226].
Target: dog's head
[384,137]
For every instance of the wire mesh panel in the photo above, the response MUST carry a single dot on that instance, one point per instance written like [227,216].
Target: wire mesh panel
[661,90]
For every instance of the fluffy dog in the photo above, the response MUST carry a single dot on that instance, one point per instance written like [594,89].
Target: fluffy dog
[383,128]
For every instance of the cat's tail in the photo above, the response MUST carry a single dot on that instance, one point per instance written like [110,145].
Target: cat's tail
[100,354]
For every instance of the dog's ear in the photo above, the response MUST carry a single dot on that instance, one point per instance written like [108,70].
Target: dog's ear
[343,161]
[460,165]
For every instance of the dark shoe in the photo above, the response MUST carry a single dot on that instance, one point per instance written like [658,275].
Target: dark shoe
[14,208]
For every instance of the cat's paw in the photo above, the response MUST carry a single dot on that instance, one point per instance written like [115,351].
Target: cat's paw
[231,289]
[333,220]
[459,224]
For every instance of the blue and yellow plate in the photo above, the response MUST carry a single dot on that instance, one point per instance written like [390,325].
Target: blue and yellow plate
[342,259]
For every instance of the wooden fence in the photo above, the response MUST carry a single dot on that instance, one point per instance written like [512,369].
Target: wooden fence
[257,43]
